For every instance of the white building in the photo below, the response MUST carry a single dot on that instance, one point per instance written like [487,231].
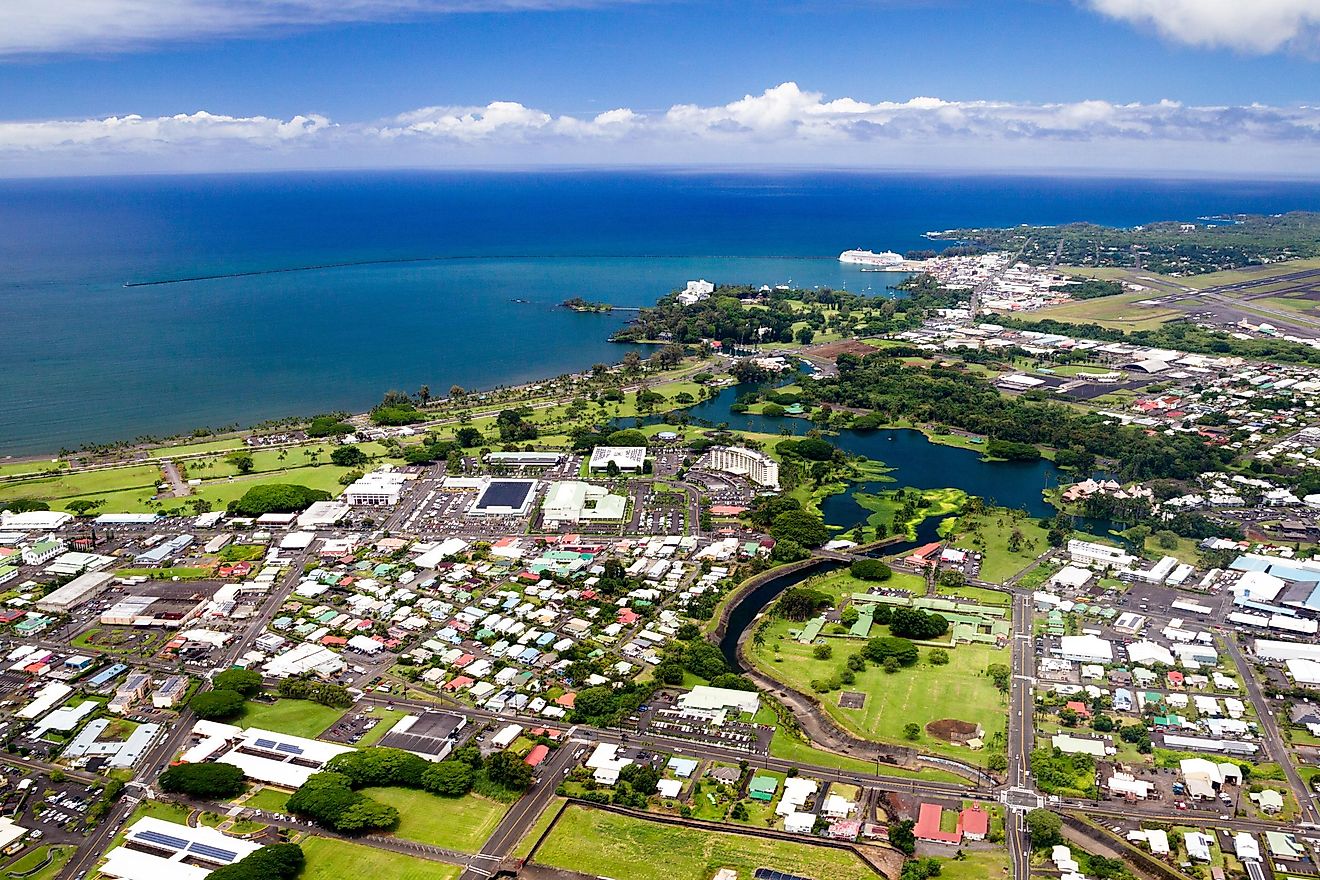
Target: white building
[755,466]
[571,501]
[629,459]
[376,489]
[1098,555]
[153,848]
[278,758]
[75,592]
[1086,649]
[695,292]
[704,698]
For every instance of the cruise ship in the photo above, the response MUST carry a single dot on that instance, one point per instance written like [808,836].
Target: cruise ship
[870,258]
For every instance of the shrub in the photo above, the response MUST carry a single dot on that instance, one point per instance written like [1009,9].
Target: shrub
[871,570]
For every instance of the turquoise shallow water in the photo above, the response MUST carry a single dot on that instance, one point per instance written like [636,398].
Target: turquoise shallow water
[85,358]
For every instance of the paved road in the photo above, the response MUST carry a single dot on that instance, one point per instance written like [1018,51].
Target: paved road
[1275,747]
[519,820]
[1021,704]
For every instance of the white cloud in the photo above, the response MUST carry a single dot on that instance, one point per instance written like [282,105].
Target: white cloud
[43,26]
[1256,26]
[782,125]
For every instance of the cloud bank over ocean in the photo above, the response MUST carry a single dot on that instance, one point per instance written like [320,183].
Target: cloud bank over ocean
[785,124]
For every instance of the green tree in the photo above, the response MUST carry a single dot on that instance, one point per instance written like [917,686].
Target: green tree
[800,527]
[348,456]
[1044,828]
[448,779]
[902,836]
[244,681]
[242,461]
[822,651]
[509,770]
[208,780]
[217,705]
[912,731]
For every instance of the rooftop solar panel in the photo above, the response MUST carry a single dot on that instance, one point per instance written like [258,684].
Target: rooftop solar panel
[264,743]
[511,493]
[771,874]
[290,748]
[159,839]
[215,852]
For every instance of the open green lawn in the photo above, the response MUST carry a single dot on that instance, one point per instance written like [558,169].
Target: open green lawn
[1122,312]
[594,842]
[1186,551]
[385,720]
[88,484]
[975,865]
[990,534]
[27,862]
[976,594]
[453,823]
[272,800]
[294,717]
[921,694]
[337,859]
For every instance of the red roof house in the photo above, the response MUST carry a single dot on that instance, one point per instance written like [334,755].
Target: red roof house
[928,826]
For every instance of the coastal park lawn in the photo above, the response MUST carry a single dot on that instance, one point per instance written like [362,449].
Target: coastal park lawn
[989,534]
[86,484]
[452,823]
[922,693]
[606,844]
[329,859]
[294,717]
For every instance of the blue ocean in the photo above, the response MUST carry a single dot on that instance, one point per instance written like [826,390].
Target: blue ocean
[314,292]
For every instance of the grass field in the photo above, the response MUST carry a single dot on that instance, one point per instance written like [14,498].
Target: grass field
[976,594]
[61,854]
[336,860]
[1122,312]
[921,694]
[272,800]
[385,720]
[594,842]
[294,717]
[1236,276]
[90,484]
[975,865]
[990,534]
[454,823]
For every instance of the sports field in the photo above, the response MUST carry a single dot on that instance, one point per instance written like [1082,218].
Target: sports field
[453,823]
[609,845]
[923,693]
[336,859]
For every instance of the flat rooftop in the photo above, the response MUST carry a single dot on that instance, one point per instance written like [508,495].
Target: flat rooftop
[505,494]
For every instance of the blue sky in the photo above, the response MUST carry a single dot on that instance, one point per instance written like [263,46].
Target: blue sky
[1071,84]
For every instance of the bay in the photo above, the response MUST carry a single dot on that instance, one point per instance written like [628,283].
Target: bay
[87,359]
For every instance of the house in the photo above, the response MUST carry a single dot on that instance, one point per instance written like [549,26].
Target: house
[975,823]
[799,822]
[761,788]
[1270,801]
[1198,845]
[928,826]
